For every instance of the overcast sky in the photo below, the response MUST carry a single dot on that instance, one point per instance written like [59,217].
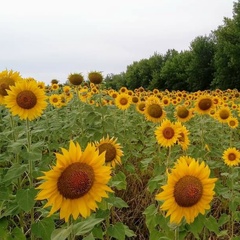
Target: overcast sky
[50,39]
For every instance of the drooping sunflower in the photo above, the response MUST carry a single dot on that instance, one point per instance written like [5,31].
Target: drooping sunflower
[204,104]
[141,106]
[26,100]
[154,111]
[7,79]
[112,149]
[188,191]
[183,114]
[183,139]
[167,133]
[76,183]
[223,114]
[123,101]
[95,77]
[231,156]
[75,78]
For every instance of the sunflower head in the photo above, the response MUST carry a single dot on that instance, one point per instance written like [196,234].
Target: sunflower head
[75,78]
[167,133]
[76,183]
[232,122]
[153,111]
[7,79]
[26,100]
[223,114]
[95,77]
[231,156]
[183,114]
[188,191]
[123,101]
[204,104]
[112,149]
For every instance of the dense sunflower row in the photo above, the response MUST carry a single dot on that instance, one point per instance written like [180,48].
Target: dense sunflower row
[79,180]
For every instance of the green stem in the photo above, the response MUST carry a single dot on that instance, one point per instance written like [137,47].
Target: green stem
[176,233]
[72,234]
[30,170]
[232,199]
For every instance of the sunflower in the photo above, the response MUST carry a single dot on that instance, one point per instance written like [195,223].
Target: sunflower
[123,101]
[188,191]
[183,114]
[153,111]
[95,77]
[141,106]
[223,114]
[204,104]
[232,122]
[55,100]
[112,148]
[54,86]
[183,139]
[231,156]
[7,79]
[167,133]
[77,182]
[75,78]
[26,100]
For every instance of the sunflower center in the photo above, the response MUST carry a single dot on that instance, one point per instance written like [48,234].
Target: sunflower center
[123,101]
[76,180]
[205,104]
[188,191]
[232,123]
[168,132]
[154,110]
[26,99]
[224,114]
[110,151]
[4,86]
[182,112]
[231,157]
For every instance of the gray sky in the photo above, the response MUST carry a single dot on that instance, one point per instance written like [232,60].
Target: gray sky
[50,39]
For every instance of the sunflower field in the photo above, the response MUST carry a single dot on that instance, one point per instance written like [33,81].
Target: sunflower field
[79,161]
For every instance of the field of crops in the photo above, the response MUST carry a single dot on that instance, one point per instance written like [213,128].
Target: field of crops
[80,161]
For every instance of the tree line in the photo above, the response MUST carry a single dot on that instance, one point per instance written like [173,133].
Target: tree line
[212,61]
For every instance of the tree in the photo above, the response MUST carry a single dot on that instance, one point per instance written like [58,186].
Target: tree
[115,81]
[201,68]
[227,57]
[175,71]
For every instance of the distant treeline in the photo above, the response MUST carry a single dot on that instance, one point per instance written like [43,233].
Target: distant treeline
[211,62]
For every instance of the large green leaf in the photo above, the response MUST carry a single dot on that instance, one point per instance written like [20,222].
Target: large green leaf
[26,198]
[86,226]
[117,231]
[43,228]
[14,172]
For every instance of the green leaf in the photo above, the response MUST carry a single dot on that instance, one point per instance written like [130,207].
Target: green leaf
[43,228]
[224,218]
[18,234]
[117,231]
[89,237]
[128,231]
[117,202]
[197,226]
[86,225]
[26,198]
[119,181]
[14,172]
[61,234]
[211,224]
